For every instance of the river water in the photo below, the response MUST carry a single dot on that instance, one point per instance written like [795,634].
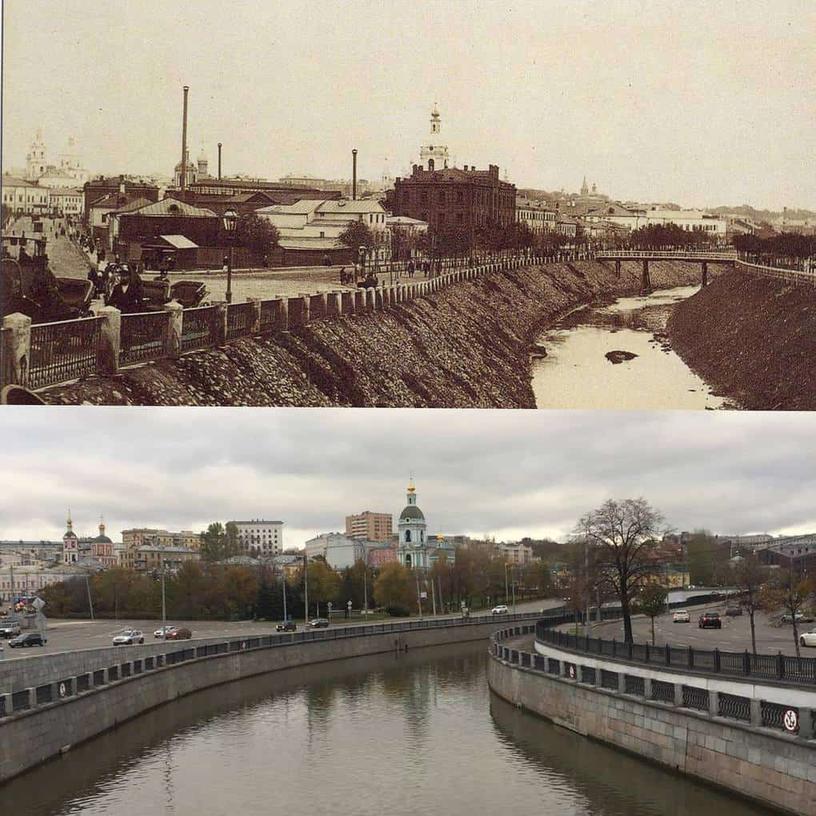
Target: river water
[576,372]
[418,733]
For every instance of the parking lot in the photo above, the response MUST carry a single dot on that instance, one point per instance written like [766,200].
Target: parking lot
[735,635]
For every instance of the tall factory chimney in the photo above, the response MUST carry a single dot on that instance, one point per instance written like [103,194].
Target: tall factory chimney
[184,143]
[219,161]
[354,174]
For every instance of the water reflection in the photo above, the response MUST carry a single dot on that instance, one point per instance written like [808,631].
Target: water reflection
[402,734]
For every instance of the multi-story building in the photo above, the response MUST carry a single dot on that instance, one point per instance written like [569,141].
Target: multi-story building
[370,526]
[136,538]
[125,186]
[149,558]
[515,552]
[454,198]
[260,537]
[24,197]
[66,201]
[339,550]
[535,215]
[28,579]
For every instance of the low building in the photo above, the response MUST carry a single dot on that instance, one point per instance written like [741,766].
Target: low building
[129,186]
[148,558]
[17,581]
[567,225]
[66,202]
[24,197]
[370,526]
[260,537]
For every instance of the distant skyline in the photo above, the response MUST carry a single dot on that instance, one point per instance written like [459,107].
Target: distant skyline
[506,474]
[700,104]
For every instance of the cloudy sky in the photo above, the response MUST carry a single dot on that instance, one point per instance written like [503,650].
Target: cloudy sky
[697,102]
[506,474]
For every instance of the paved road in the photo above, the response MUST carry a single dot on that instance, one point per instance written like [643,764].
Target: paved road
[73,635]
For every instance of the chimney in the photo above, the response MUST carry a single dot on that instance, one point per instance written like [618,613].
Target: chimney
[354,174]
[184,142]
[219,161]
[121,185]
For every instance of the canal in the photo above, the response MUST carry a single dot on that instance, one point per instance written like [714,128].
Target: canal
[617,356]
[410,734]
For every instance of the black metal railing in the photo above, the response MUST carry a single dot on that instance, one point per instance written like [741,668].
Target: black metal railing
[734,707]
[694,697]
[240,320]
[143,337]
[199,327]
[63,351]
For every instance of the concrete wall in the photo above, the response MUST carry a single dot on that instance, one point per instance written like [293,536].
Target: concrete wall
[772,768]
[30,737]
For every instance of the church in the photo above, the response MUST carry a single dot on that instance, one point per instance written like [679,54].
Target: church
[415,550]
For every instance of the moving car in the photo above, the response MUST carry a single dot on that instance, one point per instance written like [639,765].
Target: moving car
[733,611]
[808,638]
[709,620]
[178,633]
[800,618]
[501,609]
[319,623]
[9,630]
[681,616]
[128,637]
[28,639]
[286,626]
[163,631]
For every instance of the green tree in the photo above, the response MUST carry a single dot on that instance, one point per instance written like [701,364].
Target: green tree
[357,234]
[624,533]
[395,587]
[256,233]
[324,582]
[651,601]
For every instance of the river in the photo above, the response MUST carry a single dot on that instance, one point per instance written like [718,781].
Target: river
[416,733]
[576,371]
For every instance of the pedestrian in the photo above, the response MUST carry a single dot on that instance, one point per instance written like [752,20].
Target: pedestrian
[127,293]
[411,268]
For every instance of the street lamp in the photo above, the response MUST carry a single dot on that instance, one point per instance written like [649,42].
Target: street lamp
[230,222]
[361,259]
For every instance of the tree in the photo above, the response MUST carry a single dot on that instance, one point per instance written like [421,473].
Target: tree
[789,592]
[651,602]
[324,582]
[707,558]
[395,587]
[214,542]
[749,576]
[624,533]
[357,234]
[256,233]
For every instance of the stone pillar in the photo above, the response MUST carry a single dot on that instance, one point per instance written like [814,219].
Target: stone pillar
[280,313]
[647,688]
[379,300]
[756,713]
[317,306]
[6,700]
[678,694]
[806,724]
[705,273]
[110,338]
[713,703]
[387,291]
[334,304]
[175,319]
[16,348]
[221,323]
[645,283]
[617,269]
[621,683]
[359,301]
[256,315]
[298,309]
[347,299]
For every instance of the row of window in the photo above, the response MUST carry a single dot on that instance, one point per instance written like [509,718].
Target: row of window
[479,197]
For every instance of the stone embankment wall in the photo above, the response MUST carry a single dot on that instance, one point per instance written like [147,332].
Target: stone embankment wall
[776,770]
[29,737]
[752,339]
[464,346]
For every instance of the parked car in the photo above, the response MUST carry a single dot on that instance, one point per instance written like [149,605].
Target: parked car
[800,618]
[128,637]
[286,626]
[28,639]
[178,633]
[733,611]
[319,623]
[501,609]
[681,616]
[163,631]
[808,638]
[709,620]
[9,630]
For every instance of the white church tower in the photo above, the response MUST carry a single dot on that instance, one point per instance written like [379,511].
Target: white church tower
[36,163]
[412,551]
[434,156]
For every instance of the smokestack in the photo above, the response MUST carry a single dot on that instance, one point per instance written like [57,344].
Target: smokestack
[354,174]
[184,143]
[219,161]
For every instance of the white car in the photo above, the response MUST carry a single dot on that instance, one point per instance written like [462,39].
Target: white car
[128,637]
[501,609]
[681,616]
[162,631]
[808,638]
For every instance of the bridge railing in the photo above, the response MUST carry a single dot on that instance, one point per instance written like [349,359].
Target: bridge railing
[97,668]
[664,675]
[794,276]
[669,254]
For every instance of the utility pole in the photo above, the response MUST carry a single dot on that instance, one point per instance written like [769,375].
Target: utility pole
[433,596]
[88,588]
[365,584]
[283,586]
[306,588]
[419,597]
[441,600]
[164,598]
[506,592]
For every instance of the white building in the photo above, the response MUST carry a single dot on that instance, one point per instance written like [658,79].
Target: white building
[337,549]
[23,197]
[690,220]
[30,579]
[535,215]
[67,201]
[412,550]
[515,553]
[260,536]
[434,155]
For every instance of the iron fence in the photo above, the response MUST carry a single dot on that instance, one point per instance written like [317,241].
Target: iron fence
[633,684]
[662,691]
[240,320]
[269,314]
[694,697]
[63,351]
[6,360]
[143,337]
[734,707]
[773,714]
[199,327]
[609,679]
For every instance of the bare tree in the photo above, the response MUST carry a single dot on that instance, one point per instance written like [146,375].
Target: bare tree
[789,592]
[749,576]
[624,533]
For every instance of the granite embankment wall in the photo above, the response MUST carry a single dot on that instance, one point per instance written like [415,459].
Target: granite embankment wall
[463,346]
[751,338]
[29,737]
[774,769]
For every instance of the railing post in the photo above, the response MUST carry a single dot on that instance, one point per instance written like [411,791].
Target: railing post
[256,314]
[806,730]
[110,339]
[780,666]
[175,318]
[756,712]
[746,663]
[713,703]
[16,348]
[717,660]
[221,323]
[691,657]
[668,655]
[678,694]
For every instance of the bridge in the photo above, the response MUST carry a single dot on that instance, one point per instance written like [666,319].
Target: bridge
[704,257]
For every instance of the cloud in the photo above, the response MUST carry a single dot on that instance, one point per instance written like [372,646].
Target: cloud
[504,473]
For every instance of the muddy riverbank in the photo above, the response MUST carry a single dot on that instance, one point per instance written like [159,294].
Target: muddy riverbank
[464,346]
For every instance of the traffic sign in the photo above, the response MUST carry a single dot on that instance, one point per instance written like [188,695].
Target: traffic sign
[62,690]
[791,720]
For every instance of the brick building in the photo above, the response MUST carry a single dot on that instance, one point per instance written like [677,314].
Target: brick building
[466,198]
[369,526]
[99,187]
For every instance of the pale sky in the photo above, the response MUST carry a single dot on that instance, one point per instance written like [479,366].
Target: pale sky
[501,473]
[697,102]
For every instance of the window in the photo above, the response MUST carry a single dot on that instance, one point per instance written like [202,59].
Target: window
[460,197]
[441,197]
[424,198]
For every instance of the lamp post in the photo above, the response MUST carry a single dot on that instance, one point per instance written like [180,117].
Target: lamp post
[230,221]
[361,259]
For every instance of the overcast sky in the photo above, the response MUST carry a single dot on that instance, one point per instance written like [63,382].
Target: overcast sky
[502,473]
[697,102]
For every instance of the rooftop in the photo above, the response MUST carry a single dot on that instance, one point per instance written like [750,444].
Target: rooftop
[173,207]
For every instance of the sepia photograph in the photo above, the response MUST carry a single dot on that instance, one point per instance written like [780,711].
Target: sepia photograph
[408,407]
